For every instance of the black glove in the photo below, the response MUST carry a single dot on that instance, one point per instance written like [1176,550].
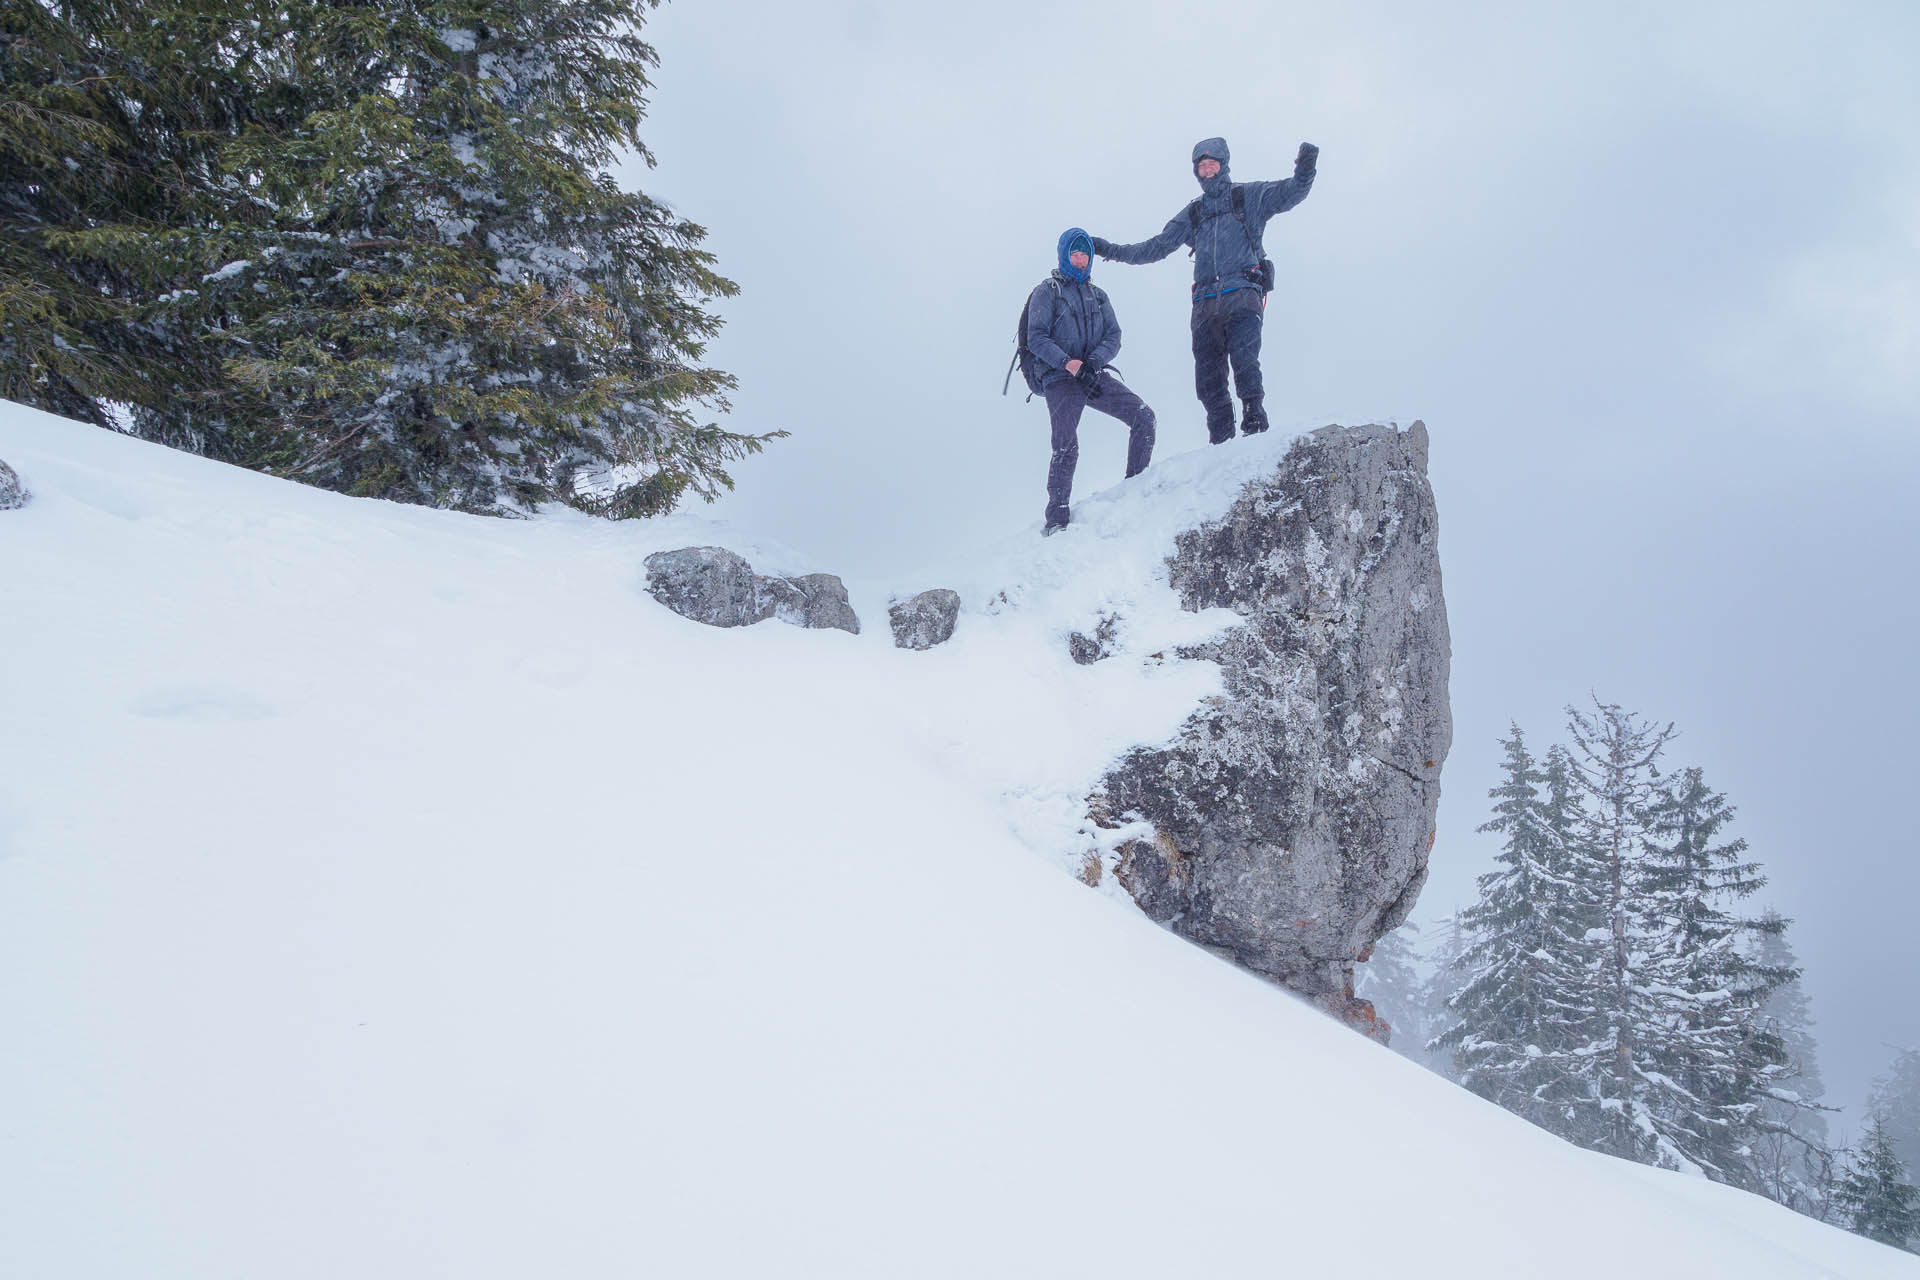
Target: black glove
[1304,162]
[1089,379]
[1100,247]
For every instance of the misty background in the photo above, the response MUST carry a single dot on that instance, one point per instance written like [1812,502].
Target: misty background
[1649,273]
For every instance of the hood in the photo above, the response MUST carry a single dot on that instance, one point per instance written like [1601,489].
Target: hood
[1217,148]
[1070,239]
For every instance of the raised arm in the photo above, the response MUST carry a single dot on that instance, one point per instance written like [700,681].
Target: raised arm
[1171,237]
[1110,344]
[1268,198]
[1039,329]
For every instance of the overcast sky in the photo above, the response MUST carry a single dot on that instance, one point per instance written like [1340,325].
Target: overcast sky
[1649,272]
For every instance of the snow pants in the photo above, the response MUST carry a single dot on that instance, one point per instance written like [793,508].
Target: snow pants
[1227,329]
[1065,402]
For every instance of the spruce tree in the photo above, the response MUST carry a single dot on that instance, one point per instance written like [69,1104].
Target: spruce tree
[1895,1099]
[1877,1197]
[1614,766]
[1523,975]
[1792,1157]
[108,112]
[1708,1062]
[369,246]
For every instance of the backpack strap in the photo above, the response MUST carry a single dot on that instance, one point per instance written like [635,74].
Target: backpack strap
[1239,211]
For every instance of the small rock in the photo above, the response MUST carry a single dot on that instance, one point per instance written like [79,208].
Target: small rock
[823,603]
[12,492]
[1088,649]
[926,620]
[708,584]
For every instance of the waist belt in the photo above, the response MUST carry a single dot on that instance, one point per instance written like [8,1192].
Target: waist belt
[1241,279]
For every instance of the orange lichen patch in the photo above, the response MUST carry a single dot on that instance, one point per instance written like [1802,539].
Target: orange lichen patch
[1430,838]
[1358,1014]
[1100,812]
[1366,953]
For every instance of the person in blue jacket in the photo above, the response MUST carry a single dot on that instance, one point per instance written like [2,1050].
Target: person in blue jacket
[1231,276]
[1073,335]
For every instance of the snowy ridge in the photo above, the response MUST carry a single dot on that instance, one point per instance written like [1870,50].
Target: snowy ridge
[385,892]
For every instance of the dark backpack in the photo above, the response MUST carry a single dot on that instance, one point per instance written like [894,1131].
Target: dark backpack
[1262,275]
[1022,356]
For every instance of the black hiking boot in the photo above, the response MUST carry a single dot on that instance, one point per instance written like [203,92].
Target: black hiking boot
[1254,421]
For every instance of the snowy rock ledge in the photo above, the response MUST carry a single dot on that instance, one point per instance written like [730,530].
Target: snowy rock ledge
[12,493]
[1291,819]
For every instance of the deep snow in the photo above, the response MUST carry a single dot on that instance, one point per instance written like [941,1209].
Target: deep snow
[391,893]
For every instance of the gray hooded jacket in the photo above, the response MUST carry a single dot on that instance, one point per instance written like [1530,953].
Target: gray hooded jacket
[1224,246]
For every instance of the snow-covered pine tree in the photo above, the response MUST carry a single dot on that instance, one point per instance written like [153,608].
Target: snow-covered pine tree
[1614,766]
[1895,1099]
[108,109]
[1523,976]
[370,246]
[432,285]
[1876,1197]
[1706,1061]
[1791,1153]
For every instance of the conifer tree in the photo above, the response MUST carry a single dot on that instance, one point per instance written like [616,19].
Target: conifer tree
[384,255]
[1792,1157]
[1895,1099]
[108,109]
[1878,1199]
[1523,1000]
[1708,1061]
[1614,766]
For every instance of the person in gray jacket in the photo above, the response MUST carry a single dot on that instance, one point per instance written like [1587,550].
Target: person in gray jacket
[1073,335]
[1231,276]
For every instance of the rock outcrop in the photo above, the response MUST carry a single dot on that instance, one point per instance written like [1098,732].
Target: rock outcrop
[12,492]
[718,587]
[926,620]
[1292,818]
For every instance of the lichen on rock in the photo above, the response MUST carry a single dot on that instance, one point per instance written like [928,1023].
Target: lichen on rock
[1293,816]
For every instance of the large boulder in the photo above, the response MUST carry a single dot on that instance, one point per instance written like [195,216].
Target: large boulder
[12,492]
[1292,818]
[926,620]
[718,587]
[707,584]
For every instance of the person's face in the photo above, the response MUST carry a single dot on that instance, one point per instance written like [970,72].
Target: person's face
[1079,259]
[1208,167]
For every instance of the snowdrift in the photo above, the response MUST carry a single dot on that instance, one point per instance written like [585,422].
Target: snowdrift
[385,892]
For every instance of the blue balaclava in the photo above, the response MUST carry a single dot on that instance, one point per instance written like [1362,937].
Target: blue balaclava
[1070,239]
[1217,148]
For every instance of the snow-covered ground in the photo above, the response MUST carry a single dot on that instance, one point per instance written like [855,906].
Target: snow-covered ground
[390,893]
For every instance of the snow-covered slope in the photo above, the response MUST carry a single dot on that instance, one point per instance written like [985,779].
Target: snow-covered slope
[388,893]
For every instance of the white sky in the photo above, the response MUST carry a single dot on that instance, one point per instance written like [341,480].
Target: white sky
[1650,273]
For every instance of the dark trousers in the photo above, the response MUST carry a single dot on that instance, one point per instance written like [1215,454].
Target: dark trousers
[1227,329]
[1065,401]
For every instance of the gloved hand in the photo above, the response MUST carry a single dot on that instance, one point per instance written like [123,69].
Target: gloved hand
[1100,247]
[1089,380]
[1302,163]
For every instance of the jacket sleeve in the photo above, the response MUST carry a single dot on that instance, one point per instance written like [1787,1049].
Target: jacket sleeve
[1110,342]
[1269,198]
[1040,329]
[1171,237]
